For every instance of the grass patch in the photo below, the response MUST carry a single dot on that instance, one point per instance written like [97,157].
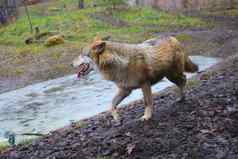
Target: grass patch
[78,26]
[148,16]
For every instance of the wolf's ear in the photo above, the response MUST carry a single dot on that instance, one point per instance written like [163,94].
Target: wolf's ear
[99,48]
[97,38]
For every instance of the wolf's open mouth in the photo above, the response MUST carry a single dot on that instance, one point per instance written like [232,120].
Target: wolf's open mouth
[83,69]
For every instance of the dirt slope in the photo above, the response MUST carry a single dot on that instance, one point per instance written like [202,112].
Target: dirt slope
[205,126]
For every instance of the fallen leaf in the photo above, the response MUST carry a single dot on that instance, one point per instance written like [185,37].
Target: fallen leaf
[130,148]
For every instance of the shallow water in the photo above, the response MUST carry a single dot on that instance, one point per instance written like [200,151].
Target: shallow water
[49,105]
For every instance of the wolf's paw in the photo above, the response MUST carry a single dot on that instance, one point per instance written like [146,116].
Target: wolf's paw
[145,118]
[147,114]
[115,115]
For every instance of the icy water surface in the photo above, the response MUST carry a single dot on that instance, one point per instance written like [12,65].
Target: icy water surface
[49,105]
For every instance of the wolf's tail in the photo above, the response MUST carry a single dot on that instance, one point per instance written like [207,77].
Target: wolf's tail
[190,66]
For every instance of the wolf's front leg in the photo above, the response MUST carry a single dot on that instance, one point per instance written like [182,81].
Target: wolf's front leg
[148,101]
[122,94]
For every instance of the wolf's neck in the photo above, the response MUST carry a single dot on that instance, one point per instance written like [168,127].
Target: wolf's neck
[120,48]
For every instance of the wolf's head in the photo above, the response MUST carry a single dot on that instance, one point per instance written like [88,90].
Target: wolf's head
[88,59]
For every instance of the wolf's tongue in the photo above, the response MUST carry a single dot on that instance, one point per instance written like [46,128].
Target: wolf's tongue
[79,71]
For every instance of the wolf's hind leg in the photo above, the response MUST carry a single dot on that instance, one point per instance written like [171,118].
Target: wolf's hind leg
[180,81]
[148,101]
[122,94]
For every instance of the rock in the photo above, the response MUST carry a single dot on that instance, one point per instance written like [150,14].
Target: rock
[54,40]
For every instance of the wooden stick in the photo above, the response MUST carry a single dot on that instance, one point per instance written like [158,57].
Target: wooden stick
[28,16]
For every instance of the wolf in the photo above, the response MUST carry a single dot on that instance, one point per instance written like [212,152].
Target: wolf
[133,66]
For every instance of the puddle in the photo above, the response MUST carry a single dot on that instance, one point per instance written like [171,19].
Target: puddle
[49,105]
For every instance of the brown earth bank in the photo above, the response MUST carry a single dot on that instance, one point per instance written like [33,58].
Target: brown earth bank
[205,126]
